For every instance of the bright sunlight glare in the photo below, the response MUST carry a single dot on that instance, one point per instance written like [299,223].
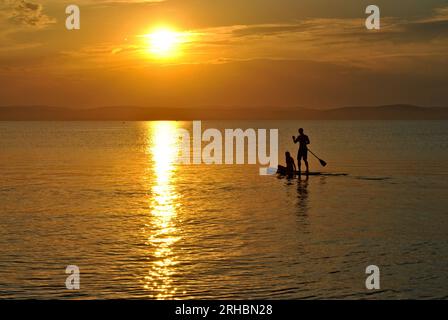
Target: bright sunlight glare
[164,42]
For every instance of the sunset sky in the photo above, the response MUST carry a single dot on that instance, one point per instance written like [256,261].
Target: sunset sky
[310,53]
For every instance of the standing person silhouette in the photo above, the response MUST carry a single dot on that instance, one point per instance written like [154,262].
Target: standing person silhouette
[303,141]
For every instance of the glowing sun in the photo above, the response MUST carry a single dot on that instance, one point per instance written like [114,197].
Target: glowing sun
[164,42]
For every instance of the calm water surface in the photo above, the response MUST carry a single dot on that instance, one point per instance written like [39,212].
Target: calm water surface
[107,197]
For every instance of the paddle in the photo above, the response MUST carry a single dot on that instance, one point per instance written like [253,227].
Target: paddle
[322,162]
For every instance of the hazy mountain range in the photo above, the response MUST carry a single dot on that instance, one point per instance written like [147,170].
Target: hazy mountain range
[131,113]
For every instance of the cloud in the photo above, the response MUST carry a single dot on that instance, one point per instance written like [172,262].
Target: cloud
[25,13]
[263,30]
[436,26]
[441,13]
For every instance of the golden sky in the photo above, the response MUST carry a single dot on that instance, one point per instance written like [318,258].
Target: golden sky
[310,53]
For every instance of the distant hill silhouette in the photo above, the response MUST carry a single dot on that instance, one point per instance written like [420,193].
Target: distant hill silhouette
[130,113]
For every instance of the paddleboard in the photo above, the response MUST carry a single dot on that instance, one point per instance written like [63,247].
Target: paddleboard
[282,171]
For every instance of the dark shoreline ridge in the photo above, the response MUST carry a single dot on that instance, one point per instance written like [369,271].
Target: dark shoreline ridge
[131,113]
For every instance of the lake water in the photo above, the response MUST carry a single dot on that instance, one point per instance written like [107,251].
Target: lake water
[105,196]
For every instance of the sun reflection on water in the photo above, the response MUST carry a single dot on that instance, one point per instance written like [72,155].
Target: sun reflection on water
[163,232]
